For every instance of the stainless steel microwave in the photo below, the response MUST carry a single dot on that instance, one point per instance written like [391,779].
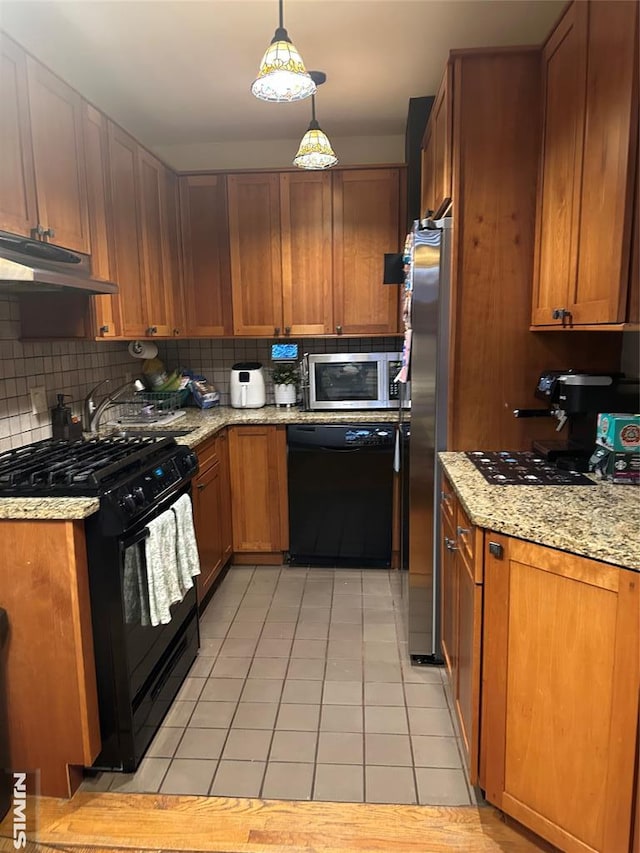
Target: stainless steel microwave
[358,380]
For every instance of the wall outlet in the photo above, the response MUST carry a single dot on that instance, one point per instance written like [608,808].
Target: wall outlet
[38,400]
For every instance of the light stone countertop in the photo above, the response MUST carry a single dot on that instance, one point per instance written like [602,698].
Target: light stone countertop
[204,424]
[601,522]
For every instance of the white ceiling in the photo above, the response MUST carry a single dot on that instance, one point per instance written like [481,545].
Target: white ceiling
[178,73]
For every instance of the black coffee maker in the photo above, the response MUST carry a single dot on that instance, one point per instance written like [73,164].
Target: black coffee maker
[574,398]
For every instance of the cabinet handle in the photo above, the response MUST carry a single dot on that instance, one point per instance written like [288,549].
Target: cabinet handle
[287,330]
[104,329]
[450,544]
[445,497]
[50,232]
[496,549]
[151,330]
[339,329]
[276,331]
[200,487]
[462,531]
[38,231]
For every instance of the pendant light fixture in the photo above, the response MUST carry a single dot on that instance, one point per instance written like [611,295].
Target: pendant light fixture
[315,151]
[282,75]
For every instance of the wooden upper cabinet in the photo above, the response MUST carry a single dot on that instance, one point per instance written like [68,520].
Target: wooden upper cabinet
[306,245]
[441,122]
[18,212]
[152,185]
[587,170]
[58,156]
[106,318]
[127,240]
[174,253]
[427,192]
[254,240]
[205,247]
[366,224]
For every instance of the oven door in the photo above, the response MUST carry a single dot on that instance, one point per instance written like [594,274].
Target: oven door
[139,667]
[348,381]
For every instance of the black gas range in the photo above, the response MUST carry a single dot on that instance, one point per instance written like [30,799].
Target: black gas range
[139,666]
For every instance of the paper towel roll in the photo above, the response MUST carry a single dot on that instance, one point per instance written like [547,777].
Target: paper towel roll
[143,349]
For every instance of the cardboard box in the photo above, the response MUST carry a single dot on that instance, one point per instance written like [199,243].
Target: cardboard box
[620,432]
[616,467]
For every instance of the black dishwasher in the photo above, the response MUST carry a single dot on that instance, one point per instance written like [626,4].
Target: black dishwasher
[340,494]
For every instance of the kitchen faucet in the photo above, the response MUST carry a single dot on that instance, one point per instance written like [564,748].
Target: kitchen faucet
[92,413]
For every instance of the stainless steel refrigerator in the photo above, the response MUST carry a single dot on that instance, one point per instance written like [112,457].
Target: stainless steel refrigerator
[428,286]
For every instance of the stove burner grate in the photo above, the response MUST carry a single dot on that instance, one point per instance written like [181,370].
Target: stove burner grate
[522,468]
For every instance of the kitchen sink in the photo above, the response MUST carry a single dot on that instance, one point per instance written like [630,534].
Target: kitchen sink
[133,432]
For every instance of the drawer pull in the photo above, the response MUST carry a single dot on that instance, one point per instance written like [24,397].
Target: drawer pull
[462,531]
[496,549]
[450,544]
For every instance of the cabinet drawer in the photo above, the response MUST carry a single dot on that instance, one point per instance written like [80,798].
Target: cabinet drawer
[208,453]
[466,537]
[448,502]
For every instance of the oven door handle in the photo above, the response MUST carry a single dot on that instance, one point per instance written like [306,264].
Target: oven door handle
[134,540]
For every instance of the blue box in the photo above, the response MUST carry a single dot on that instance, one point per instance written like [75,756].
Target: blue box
[619,432]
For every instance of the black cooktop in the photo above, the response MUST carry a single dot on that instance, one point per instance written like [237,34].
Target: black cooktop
[523,468]
[83,468]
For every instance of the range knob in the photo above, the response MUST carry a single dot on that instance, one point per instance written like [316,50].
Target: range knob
[128,503]
[139,496]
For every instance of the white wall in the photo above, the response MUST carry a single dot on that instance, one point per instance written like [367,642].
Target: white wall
[278,153]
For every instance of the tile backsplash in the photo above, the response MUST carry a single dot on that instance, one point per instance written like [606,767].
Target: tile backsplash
[74,367]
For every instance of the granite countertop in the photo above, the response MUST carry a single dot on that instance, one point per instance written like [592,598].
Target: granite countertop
[203,424]
[601,522]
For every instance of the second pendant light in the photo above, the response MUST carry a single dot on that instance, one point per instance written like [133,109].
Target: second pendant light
[315,151]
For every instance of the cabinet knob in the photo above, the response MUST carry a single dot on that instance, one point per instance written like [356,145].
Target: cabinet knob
[287,330]
[152,330]
[462,531]
[104,329]
[50,232]
[339,330]
[276,331]
[176,331]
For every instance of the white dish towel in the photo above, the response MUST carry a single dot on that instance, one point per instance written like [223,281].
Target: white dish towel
[186,544]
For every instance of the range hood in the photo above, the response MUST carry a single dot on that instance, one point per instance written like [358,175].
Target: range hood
[29,266]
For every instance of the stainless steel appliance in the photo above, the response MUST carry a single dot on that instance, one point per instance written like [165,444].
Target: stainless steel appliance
[139,667]
[340,494]
[28,266]
[363,380]
[427,317]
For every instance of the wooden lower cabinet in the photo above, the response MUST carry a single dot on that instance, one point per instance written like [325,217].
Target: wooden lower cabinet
[258,467]
[461,619]
[212,512]
[560,685]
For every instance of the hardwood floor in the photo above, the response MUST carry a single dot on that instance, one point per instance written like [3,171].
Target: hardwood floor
[92,823]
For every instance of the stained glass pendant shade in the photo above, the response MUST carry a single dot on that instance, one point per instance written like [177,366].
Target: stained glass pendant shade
[315,151]
[282,75]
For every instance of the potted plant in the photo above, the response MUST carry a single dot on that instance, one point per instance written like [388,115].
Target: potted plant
[285,383]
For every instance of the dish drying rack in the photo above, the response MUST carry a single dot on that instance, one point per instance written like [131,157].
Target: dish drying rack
[149,407]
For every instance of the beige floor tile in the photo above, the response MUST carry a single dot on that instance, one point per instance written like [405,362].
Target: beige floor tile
[312,630]
[278,630]
[342,693]
[442,787]
[244,630]
[262,690]
[179,714]
[238,648]
[189,776]
[212,715]
[268,668]
[341,718]
[344,670]
[294,746]
[298,690]
[272,648]
[191,688]
[385,720]
[433,751]
[201,743]
[255,715]
[306,668]
[383,693]
[238,779]
[222,689]
[390,785]
[165,742]
[425,695]
[340,783]
[209,647]
[287,781]
[298,717]
[340,748]
[430,721]
[201,667]
[387,749]
[382,671]
[231,667]
[309,649]
[247,745]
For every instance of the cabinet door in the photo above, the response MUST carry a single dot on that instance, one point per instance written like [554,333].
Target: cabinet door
[254,239]
[427,194]
[305,216]
[105,308]
[599,293]
[467,687]
[564,69]
[174,254]
[222,452]
[18,212]
[58,156]
[205,247]
[440,121]
[127,242]
[258,488]
[155,250]
[561,648]
[366,224]
[207,507]
[449,600]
